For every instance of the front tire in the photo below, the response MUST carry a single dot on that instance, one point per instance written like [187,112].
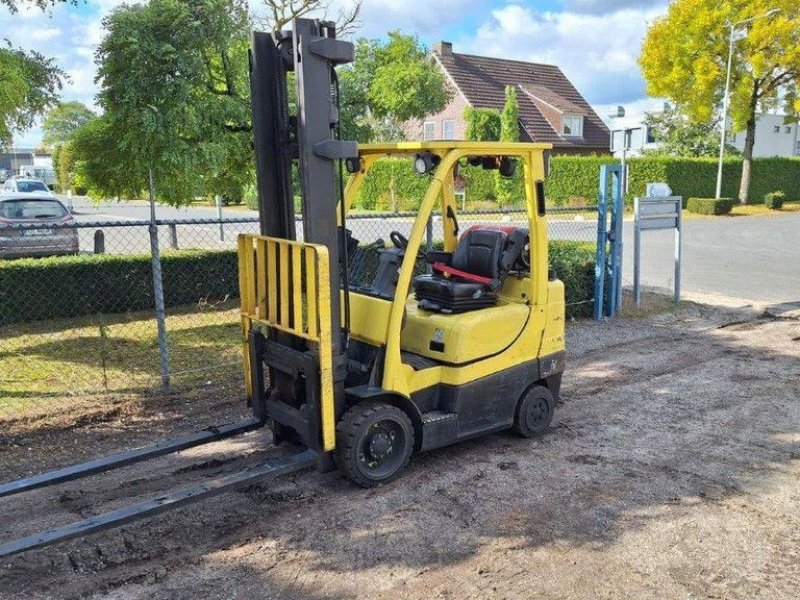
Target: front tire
[374,442]
[534,412]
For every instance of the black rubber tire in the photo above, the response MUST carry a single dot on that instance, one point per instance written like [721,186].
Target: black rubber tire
[351,436]
[534,412]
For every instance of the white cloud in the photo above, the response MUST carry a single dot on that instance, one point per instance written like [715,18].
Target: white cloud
[595,42]
[44,34]
[606,6]
[597,52]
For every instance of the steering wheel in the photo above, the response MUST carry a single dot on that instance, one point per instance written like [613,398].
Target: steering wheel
[401,243]
[399,240]
[525,257]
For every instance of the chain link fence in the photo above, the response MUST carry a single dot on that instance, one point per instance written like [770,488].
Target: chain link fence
[140,305]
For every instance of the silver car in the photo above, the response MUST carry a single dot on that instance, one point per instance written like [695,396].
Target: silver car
[35,226]
[26,185]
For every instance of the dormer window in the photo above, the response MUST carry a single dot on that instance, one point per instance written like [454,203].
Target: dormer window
[572,125]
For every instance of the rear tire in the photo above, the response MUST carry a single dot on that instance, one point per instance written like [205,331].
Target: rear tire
[534,412]
[374,442]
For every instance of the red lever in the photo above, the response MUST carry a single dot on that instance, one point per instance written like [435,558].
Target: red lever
[443,268]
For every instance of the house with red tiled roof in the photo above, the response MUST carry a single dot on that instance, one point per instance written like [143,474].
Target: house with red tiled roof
[550,108]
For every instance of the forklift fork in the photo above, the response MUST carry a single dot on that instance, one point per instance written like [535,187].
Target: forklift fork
[148,508]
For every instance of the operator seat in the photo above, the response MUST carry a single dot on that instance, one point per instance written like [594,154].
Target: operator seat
[469,278]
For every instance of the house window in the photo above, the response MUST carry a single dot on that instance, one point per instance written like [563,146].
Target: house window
[777,128]
[448,129]
[572,125]
[788,129]
[428,130]
[650,138]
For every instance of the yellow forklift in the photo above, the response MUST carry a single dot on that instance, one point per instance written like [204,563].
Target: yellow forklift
[361,352]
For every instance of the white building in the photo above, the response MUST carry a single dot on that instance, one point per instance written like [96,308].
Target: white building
[774,137]
[632,128]
[639,135]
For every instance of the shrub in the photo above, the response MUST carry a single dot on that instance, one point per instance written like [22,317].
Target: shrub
[774,200]
[710,206]
[575,179]
[72,286]
[58,287]
[250,195]
[392,184]
[573,263]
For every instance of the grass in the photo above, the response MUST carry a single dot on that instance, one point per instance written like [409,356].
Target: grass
[750,210]
[101,354]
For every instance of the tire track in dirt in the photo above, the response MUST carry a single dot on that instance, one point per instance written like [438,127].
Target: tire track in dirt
[283,522]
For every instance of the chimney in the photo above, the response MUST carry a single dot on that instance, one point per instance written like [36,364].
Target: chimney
[443,48]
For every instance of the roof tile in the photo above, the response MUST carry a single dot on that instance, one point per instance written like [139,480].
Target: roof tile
[483,81]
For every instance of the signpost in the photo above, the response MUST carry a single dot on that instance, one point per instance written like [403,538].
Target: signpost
[654,212]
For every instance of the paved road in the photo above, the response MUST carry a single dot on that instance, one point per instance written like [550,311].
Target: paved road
[84,209]
[757,258]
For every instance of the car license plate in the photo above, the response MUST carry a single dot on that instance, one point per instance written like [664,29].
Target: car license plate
[37,232]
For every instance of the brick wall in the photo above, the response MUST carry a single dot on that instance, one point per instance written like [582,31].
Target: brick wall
[453,111]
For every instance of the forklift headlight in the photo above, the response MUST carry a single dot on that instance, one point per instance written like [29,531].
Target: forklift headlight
[507,166]
[353,165]
[424,162]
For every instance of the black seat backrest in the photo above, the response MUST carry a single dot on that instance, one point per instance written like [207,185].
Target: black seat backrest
[479,251]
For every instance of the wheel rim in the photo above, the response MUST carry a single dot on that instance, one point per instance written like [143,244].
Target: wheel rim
[381,450]
[538,414]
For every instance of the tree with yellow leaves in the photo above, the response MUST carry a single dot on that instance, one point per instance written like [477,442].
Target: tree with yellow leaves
[684,58]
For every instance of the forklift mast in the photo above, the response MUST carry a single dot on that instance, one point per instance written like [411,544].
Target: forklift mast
[308,137]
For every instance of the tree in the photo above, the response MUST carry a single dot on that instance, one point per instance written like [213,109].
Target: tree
[63,120]
[13,5]
[176,101]
[677,135]
[388,84]
[483,124]
[29,85]
[280,12]
[684,58]
[508,188]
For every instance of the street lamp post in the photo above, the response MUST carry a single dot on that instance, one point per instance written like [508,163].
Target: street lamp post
[726,97]
[627,135]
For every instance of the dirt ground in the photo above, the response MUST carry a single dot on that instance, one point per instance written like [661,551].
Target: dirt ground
[671,471]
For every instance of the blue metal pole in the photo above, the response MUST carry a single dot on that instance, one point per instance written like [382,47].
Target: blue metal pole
[600,255]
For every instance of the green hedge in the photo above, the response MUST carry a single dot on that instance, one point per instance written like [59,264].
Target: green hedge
[72,286]
[60,287]
[574,180]
[709,206]
[573,263]
[410,188]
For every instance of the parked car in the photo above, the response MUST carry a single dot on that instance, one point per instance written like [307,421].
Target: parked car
[26,185]
[32,226]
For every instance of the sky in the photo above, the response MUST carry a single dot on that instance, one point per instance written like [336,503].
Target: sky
[595,42]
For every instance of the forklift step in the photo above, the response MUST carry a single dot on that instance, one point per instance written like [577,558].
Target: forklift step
[123,459]
[148,508]
[437,416]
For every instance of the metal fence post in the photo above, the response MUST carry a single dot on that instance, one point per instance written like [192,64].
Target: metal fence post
[172,228]
[158,290]
[218,201]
